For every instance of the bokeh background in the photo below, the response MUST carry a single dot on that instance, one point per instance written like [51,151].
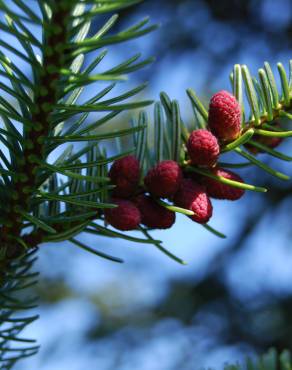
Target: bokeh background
[234,298]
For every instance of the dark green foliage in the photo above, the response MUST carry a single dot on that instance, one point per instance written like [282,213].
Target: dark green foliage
[269,361]
[14,306]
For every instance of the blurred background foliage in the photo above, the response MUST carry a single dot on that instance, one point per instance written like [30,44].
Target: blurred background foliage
[235,296]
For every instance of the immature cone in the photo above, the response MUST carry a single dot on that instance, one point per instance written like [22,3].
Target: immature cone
[164,179]
[193,196]
[224,116]
[124,173]
[218,190]
[203,148]
[124,217]
[154,215]
[271,142]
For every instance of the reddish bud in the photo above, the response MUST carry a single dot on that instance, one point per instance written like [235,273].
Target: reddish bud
[193,196]
[164,179]
[124,217]
[224,116]
[124,173]
[269,141]
[203,148]
[218,190]
[154,215]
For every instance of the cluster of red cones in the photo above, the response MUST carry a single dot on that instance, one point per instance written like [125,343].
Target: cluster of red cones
[138,203]
[135,206]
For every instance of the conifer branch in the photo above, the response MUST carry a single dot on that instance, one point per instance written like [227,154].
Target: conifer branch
[51,201]
[37,205]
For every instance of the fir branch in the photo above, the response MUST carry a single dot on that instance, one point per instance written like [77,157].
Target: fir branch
[271,360]
[16,281]
[39,205]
